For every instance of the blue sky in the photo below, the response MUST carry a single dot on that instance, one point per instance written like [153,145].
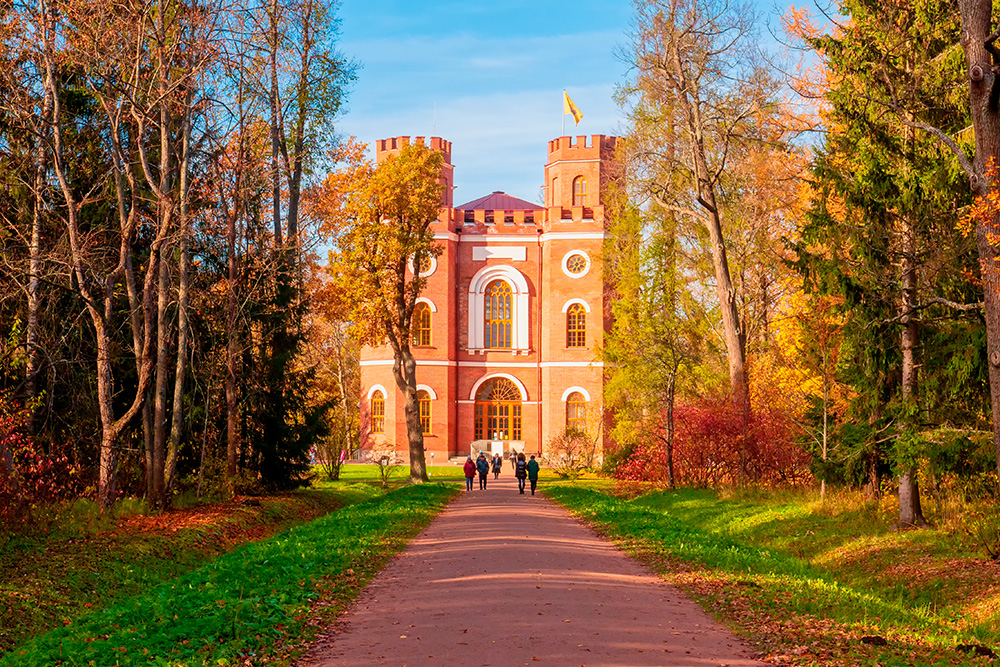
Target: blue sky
[486,75]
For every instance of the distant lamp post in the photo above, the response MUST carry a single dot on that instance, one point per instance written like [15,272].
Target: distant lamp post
[429,473]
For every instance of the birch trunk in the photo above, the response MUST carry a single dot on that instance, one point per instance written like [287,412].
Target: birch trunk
[35,254]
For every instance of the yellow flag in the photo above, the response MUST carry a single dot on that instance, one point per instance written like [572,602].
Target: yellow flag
[569,107]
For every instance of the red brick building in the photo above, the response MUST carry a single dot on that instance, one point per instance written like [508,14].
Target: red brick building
[506,330]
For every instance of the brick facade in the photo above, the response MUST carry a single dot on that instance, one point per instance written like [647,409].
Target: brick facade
[545,263]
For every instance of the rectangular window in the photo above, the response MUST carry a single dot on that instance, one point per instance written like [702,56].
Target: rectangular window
[479,422]
[424,407]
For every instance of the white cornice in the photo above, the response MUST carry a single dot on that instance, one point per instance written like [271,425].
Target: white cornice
[573,236]
[528,238]
[499,238]
[572,364]
[490,364]
[590,159]
[420,362]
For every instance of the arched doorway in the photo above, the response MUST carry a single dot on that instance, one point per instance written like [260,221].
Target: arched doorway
[498,413]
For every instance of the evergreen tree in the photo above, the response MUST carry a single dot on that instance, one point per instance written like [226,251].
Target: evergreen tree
[882,234]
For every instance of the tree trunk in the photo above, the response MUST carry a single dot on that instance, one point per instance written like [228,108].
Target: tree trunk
[159,499]
[735,337]
[35,256]
[826,421]
[404,370]
[232,355]
[976,26]
[909,491]
[669,427]
[173,444]
[275,149]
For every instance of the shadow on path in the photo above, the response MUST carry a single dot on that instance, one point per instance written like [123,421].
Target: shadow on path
[504,579]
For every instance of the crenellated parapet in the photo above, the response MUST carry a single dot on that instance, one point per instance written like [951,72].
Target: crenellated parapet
[582,147]
[392,145]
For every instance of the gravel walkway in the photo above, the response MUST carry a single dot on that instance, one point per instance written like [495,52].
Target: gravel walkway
[506,579]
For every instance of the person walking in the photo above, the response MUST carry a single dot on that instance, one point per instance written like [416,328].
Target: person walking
[521,472]
[497,465]
[533,473]
[483,466]
[513,460]
[470,472]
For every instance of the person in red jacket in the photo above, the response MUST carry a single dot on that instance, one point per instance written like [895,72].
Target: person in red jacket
[470,472]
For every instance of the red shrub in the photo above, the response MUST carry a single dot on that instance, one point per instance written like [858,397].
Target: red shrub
[29,476]
[713,446]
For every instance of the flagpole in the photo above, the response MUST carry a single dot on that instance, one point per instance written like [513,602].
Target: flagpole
[563,133]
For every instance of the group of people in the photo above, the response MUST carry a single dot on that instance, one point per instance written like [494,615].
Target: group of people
[524,470]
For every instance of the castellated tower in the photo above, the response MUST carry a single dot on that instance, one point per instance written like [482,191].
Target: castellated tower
[508,325]
[386,147]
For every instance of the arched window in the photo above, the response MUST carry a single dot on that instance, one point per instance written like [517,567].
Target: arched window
[377,404]
[498,411]
[421,325]
[497,315]
[579,191]
[576,412]
[555,193]
[576,326]
[424,410]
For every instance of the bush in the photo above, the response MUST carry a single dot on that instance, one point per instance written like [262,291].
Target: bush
[713,446]
[570,452]
[30,477]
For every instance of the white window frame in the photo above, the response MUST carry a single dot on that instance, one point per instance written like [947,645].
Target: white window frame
[565,261]
[520,339]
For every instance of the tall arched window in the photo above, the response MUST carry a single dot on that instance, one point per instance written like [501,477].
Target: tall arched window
[576,326]
[497,315]
[377,404]
[579,191]
[421,325]
[576,412]
[498,411]
[424,410]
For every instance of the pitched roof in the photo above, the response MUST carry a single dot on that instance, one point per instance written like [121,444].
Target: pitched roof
[498,201]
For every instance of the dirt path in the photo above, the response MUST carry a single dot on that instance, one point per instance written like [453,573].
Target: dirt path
[504,579]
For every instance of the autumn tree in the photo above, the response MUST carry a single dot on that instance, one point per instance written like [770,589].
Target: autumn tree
[380,216]
[657,326]
[701,94]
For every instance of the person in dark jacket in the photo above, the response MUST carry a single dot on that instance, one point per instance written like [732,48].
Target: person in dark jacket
[533,473]
[497,465]
[521,472]
[470,472]
[483,466]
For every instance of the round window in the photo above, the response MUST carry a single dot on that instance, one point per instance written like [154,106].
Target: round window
[576,264]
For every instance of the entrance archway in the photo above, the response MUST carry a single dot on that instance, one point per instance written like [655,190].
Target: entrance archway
[498,411]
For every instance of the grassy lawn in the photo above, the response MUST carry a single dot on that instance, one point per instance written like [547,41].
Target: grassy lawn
[262,599]
[80,561]
[366,472]
[805,581]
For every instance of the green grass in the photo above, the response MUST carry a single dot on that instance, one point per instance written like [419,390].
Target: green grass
[249,601]
[83,560]
[792,573]
[369,473]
